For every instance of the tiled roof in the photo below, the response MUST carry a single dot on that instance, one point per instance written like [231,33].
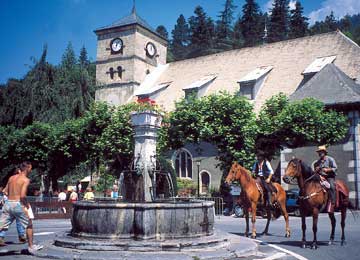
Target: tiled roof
[131,19]
[288,60]
[331,86]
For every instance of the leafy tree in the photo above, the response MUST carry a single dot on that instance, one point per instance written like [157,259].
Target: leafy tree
[161,30]
[225,120]
[238,39]
[279,21]
[250,23]
[331,22]
[298,22]
[295,124]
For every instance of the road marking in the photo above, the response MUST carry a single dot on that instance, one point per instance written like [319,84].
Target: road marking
[44,233]
[297,256]
[278,255]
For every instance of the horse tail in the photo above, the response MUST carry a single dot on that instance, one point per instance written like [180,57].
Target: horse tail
[344,200]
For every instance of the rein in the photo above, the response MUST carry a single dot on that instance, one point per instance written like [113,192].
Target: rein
[309,196]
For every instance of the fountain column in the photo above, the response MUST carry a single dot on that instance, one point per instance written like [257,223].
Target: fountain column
[146,125]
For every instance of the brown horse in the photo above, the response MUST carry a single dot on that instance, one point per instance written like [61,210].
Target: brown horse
[253,196]
[313,197]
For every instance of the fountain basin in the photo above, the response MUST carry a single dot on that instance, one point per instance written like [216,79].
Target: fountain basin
[158,220]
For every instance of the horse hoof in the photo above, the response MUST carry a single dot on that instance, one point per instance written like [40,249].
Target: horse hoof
[343,242]
[287,235]
[314,246]
[246,234]
[331,242]
[303,245]
[253,236]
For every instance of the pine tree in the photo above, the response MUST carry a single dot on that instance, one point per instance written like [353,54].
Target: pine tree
[201,29]
[250,23]
[161,30]
[180,38]
[68,60]
[224,25]
[279,21]
[298,23]
[238,39]
[83,58]
[331,22]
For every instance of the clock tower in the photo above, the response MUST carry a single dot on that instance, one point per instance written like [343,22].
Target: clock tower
[127,50]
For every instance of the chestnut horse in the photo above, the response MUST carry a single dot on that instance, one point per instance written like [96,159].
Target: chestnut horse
[253,196]
[313,196]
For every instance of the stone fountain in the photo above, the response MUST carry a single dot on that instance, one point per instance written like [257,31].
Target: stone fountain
[144,221]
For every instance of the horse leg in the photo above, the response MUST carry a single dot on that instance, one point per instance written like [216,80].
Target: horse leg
[247,222]
[253,219]
[303,226]
[343,217]
[333,225]
[315,221]
[268,216]
[286,217]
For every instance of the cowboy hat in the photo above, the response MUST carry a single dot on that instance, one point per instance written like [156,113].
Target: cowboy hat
[321,148]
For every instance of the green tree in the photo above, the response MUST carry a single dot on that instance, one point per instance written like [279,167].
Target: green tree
[224,25]
[180,38]
[201,33]
[279,21]
[251,23]
[238,39]
[298,22]
[161,30]
[68,60]
[331,22]
[83,58]
[225,120]
[296,124]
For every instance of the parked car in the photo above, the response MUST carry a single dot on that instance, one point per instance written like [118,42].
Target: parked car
[292,205]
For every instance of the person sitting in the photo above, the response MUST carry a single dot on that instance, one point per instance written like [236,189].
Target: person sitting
[263,172]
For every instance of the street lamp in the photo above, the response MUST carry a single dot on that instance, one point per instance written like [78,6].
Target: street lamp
[198,162]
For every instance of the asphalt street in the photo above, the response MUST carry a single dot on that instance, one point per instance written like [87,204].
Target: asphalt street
[274,246]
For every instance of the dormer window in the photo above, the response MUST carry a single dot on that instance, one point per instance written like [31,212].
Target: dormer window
[152,92]
[198,88]
[253,81]
[317,65]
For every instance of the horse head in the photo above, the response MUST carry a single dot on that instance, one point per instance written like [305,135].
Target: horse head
[293,171]
[235,173]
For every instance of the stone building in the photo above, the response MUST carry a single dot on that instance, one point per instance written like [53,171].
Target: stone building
[131,64]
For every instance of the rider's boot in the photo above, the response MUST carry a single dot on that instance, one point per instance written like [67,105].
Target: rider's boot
[268,199]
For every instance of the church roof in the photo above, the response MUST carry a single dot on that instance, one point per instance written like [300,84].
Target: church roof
[331,86]
[130,19]
[288,60]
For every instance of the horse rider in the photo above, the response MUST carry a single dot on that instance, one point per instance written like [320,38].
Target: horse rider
[263,171]
[326,167]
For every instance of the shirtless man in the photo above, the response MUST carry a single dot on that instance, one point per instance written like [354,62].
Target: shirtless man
[16,207]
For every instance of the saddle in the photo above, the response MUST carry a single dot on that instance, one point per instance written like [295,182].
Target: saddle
[262,190]
[339,189]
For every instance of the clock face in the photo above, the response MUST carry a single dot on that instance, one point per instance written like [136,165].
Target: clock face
[150,49]
[116,45]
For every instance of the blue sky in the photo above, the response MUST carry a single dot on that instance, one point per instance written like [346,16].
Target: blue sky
[26,25]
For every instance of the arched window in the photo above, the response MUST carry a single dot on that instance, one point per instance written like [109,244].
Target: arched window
[183,164]
[205,182]
[119,71]
[111,71]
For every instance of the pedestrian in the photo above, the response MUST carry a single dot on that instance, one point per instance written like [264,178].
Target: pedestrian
[115,192]
[326,167]
[19,227]
[61,198]
[17,206]
[89,195]
[73,196]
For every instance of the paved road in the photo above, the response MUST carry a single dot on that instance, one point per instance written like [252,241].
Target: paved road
[274,243]
[272,247]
